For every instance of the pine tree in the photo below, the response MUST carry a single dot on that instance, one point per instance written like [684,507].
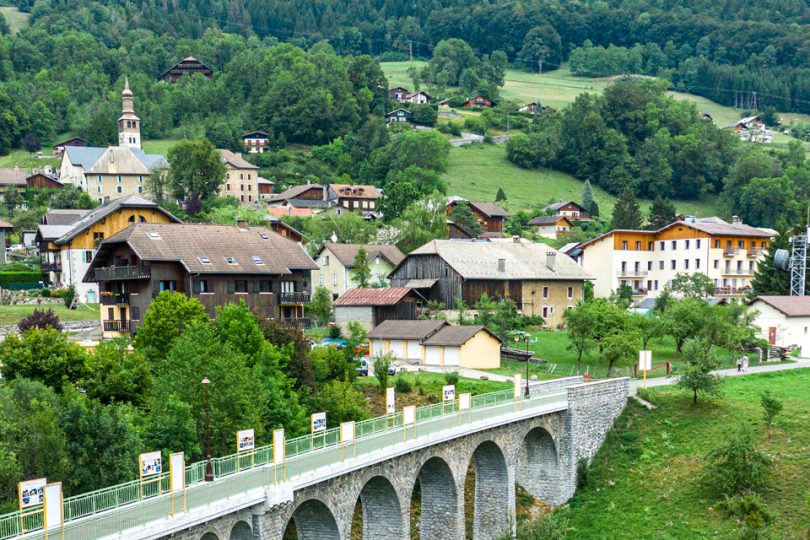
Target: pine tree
[768,279]
[587,196]
[662,213]
[501,196]
[594,210]
[464,218]
[626,212]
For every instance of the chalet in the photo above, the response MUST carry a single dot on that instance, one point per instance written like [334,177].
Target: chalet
[241,178]
[398,93]
[43,180]
[187,66]
[265,189]
[336,265]
[489,215]
[370,307]
[59,148]
[355,198]
[751,129]
[256,142]
[286,231]
[531,108]
[12,178]
[436,343]
[783,320]
[538,279]
[478,102]
[68,247]
[418,98]
[215,264]
[398,116]
[706,117]
[444,103]
[303,196]
[550,226]
[568,209]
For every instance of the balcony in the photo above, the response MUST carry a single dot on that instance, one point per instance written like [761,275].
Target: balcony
[299,323]
[738,272]
[632,273]
[730,252]
[115,326]
[50,267]
[291,298]
[640,292]
[115,273]
[731,291]
[754,253]
[115,299]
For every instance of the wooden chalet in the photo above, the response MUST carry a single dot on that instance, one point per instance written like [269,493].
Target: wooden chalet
[569,209]
[478,102]
[397,116]
[419,98]
[303,196]
[351,197]
[490,216]
[59,148]
[43,180]
[187,66]
[398,93]
[550,226]
[256,142]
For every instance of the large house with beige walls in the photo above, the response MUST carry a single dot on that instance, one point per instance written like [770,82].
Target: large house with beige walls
[336,264]
[116,171]
[783,320]
[648,260]
[541,281]
[68,249]
[436,343]
[241,178]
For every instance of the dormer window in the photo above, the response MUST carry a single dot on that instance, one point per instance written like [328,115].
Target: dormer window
[153,235]
[264,236]
[257,260]
[204,260]
[231,260]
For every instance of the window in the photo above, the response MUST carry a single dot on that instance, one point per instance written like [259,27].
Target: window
[741,244]
[204,259]
[250,187]
[98,237]
[287,286]
[227,187]
[686,264]
[119,189]
[167,285]
[320,280]
[334,279]
[650,246]
[140,178]
[87,256]
[240,286]
[377,260]
[655,284]
[624,244]
[697,263]
[687,244]
[673,264]
[545,292]
[203,286]
[717,244]
[570,293]
[545,312]
[153,235]
[98,190]
[257,260]
[241,176]
[674,244]
[638,245]
[697,243]
[660,265]
[242,198]
[265,285]
[250,197]
[140,189]
[751,267]
[326,260]
[249,179]
[228,177]
[99,178]
[230,260]
[120,178]
[135,313]
[662,245]
[716,264]
[649,265]
[241,187]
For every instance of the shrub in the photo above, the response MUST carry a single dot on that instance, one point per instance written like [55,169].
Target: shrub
[771,407]
[583,473]
[68,295]
[9,279]
[551,526]
[381,363]
[403,385]
[736,465]
[46,293]
[40,318]
[451,377]
[334,331]
[750,511]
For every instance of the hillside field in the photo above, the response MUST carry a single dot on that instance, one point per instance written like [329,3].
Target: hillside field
[16,19]
[477,171]
[645,480]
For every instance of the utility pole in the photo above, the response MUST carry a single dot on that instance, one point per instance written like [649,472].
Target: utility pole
[209,468]
[540,66]
[410,49]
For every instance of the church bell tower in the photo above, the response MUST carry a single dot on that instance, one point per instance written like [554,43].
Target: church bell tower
[129,125]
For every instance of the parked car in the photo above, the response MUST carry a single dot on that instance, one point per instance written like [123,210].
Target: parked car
[362,370]
[394,368]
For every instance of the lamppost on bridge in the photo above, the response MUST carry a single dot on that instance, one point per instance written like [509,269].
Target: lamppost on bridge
[209,468]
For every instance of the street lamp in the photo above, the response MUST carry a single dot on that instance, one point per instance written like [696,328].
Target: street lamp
[209,468]
[525,338]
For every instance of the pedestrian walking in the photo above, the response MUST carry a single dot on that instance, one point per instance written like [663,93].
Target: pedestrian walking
[745,362]
[739,364]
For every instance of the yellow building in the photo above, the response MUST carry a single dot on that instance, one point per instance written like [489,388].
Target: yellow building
[68,250]
[241,178]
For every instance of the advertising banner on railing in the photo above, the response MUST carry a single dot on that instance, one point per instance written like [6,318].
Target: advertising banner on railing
[409,415]
[150,463]
[52,500]
[390,401]
[30,492]
[644,360]
[245,440]
[347,432]
[278,446]
[464,401]
[318,422]
[177,472]
[448,392]
[518,386]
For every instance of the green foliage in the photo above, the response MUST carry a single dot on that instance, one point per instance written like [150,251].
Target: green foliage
[736,465]
[380,364]
[768,278]
[583,473]
[424,114]
[500,196]
[40,318]
[750,511]
[43,355]
[451,377]
[340,401]
[9,279]
[463,217]
[662,213]
[626,212]
[697,377]
[116,374]
[691,285]
[500,316]
[330,363]
[238,327]
[771,407]
[68,295]
[587,196]
[420,223]
[551,526]
[361,271]
[402,385]
[196,170]
[169,314]
[321,305]
[299,364]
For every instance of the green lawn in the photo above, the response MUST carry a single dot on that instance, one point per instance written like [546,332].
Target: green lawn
[477,171]
[158,146]
[12,314]
[645,479]
[27,160]
[16,19]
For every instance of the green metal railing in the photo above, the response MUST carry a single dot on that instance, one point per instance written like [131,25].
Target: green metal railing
[303,454]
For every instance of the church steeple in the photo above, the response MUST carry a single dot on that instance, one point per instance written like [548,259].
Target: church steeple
[129,125]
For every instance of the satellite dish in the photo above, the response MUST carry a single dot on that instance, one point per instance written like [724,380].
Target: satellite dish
[781,258]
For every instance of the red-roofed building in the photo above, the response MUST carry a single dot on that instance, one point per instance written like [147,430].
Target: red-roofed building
[370,307]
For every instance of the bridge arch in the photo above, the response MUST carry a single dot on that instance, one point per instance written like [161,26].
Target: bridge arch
[439,514]
[209,536]
[382,511]
[539,466]
[313,520]
[493,508]
[241,531]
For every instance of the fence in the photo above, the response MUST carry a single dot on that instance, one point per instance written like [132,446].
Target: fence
[301,457]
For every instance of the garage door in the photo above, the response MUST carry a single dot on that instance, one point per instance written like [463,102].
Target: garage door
[414,350]
[379,347]
[398,348]
[451,355]
[432,355]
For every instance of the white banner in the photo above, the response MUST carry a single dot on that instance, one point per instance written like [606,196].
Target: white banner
[409,415]
[278,446]
[448,392]
[245,440]
[346,432]
[645,360]
[390,401]
[52,499]
[518,386]
[318,422]
[150,463]
[30,492]
[464,401]
[177,472]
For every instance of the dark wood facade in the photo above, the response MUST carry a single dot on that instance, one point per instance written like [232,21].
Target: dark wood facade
[186,66]
[489,223]
[44,181]
[478,102]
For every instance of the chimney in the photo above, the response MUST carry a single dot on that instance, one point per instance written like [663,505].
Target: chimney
[241,223]
[501,265]
[551,259]
[736,220]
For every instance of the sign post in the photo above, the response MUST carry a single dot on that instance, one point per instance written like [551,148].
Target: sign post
[347,435]
[645,363]
[278,453]
[31,493]
[177,477]
[518,392]
[408,418]
[390,405]
[53,509]
[317,425]
[150,468]
[464,402]
[448,394]
[245,446]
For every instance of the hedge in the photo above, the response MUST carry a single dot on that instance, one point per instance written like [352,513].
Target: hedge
[8,280]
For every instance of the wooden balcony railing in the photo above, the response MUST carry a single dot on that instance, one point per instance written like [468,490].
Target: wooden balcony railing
[115,273]
[116,299]
[730,251]
[754,252]
[287,298]
[115,326]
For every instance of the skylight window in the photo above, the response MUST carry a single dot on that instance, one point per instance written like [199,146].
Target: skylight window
[257,260]
[231,260]
[153,235]
[204,260]
[264,236]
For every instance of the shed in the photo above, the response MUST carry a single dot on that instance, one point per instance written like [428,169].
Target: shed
[370,307]
[402,338]
[550,226]
[463,346]
[783,320]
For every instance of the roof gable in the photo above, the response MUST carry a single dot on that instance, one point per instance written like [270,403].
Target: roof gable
[346,253]
[389,296]
[399,329]
[790,306]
